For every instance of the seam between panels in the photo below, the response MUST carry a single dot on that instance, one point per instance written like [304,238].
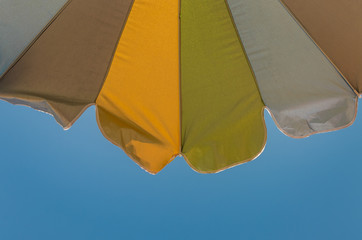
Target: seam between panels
[180,84]
[36,38]
[97,107]
[65,127]
[114,50]
[357,95]
[105,135]
[261,113]
[244,51]
[301,25]
[256,85]
[267,108]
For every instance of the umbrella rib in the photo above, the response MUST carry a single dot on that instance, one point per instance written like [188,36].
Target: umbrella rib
[242,46]
[36,38]
[307,33]
[114,50]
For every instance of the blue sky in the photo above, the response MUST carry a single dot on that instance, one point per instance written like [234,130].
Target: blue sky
[74,184]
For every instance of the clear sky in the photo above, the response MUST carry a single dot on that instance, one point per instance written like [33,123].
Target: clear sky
[74,184]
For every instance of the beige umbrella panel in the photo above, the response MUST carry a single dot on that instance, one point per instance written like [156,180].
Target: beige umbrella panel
[62,71]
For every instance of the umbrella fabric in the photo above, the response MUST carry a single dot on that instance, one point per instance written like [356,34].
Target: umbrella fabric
[301,88]
[138,108]
[222,111]
[21,21]
[181,77]
[63,70]
[336,26]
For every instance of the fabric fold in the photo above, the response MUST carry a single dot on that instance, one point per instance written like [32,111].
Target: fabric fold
[138,108]
[63,70]
[302,89]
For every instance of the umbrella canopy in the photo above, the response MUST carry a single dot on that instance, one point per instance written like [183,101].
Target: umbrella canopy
[185,77]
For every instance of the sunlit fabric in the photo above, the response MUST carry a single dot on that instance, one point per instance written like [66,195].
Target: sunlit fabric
[189,78]
[20,22]
[336,26]
[222,122]
[301,88]
[63,71]
[138,107]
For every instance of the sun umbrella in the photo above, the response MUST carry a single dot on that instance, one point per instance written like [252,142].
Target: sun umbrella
[185,77]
